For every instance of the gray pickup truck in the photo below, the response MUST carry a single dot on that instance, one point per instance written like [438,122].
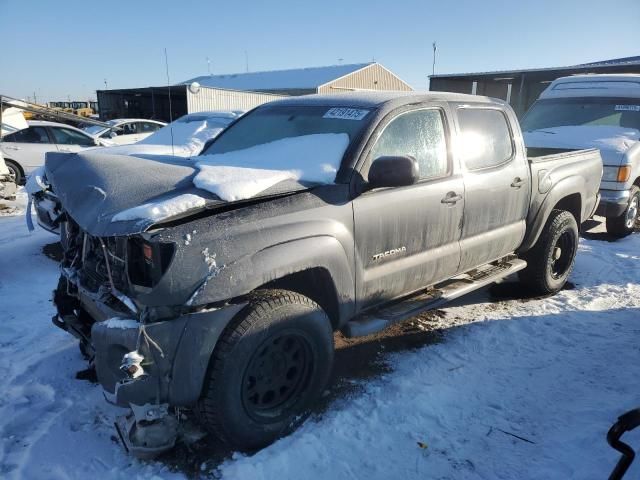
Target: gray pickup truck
[225,304]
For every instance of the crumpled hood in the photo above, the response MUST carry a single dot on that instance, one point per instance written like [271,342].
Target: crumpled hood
[93,188]
[612,141]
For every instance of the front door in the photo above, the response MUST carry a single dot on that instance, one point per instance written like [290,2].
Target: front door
[407,238]
[71,141]
[497,186]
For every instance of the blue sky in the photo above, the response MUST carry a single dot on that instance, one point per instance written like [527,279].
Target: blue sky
[67,48]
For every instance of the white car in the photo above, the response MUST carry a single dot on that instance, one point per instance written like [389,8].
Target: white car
[123,131]
[24,150]
[7,183]
[185,137]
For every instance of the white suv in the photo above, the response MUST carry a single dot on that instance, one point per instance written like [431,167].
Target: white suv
[596,111]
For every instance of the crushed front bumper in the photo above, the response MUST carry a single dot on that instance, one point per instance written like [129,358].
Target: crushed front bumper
[176,357]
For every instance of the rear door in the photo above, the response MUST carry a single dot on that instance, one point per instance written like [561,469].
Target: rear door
[69,140]
[27,147]
[497,185]
[406,238]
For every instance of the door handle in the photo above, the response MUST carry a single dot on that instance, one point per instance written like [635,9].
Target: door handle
[517,182]
[11,147]
[451,198]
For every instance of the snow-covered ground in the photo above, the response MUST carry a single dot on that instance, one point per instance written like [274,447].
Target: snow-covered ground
[555,372]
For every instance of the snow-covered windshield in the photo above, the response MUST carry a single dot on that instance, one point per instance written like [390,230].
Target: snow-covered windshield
[588,111]
[271,145]
[270,124]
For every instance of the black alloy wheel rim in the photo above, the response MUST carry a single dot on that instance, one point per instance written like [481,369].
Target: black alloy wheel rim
[278,372]
[562,254]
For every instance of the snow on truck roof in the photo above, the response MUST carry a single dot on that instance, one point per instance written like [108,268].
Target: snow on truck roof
[594,85]
[373,99]
[279,79]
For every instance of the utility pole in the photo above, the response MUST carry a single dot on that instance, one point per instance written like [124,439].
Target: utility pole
[209,66]
[246,60]
[433,67]
[35,99]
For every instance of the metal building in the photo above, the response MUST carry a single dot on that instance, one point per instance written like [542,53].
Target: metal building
[153,102]
[522,87]
[303,81]
[243,91]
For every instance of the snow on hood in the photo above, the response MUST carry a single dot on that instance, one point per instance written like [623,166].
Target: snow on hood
[242,174]
[95,188]
[603,137]
[161,210]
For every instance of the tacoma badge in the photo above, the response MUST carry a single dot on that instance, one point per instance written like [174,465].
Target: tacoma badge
[388,253]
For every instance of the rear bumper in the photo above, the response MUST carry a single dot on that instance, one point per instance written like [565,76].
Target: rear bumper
[175,367]
[8,186]
[613,203]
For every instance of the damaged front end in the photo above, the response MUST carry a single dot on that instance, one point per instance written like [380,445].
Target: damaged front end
[149,358]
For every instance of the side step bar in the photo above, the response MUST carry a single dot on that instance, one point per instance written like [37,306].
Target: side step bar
[425,300]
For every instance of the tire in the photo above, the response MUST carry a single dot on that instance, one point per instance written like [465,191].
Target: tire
[546,272]
[629,221]
[15,169]
[271,363]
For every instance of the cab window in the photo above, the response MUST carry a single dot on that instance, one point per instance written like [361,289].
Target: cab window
[485,139]
[419,134]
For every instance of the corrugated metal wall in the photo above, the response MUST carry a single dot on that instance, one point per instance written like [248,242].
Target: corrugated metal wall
[219,99]
[373,77]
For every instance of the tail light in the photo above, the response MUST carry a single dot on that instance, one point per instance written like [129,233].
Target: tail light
[148,261]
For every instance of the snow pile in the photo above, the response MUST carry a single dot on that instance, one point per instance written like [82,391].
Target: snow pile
[161,210]
[243,174]
[619,139]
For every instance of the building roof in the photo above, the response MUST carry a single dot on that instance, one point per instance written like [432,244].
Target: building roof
[625,61]
[296,78]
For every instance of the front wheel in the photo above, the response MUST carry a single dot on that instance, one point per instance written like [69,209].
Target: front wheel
[15,170]
[551,259]
[270,365]
[629,221]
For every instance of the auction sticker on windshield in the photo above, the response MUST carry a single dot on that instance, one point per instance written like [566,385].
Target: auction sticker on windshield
[346,113]
[627,108]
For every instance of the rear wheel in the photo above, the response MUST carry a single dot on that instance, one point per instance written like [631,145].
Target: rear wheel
[551,259]
[15,170]
[629,221]
[270,365]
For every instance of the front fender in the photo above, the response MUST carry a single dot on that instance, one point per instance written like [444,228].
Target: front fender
[277,261]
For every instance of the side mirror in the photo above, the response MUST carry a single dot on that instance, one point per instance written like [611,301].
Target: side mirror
[113,134]
[393,171]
